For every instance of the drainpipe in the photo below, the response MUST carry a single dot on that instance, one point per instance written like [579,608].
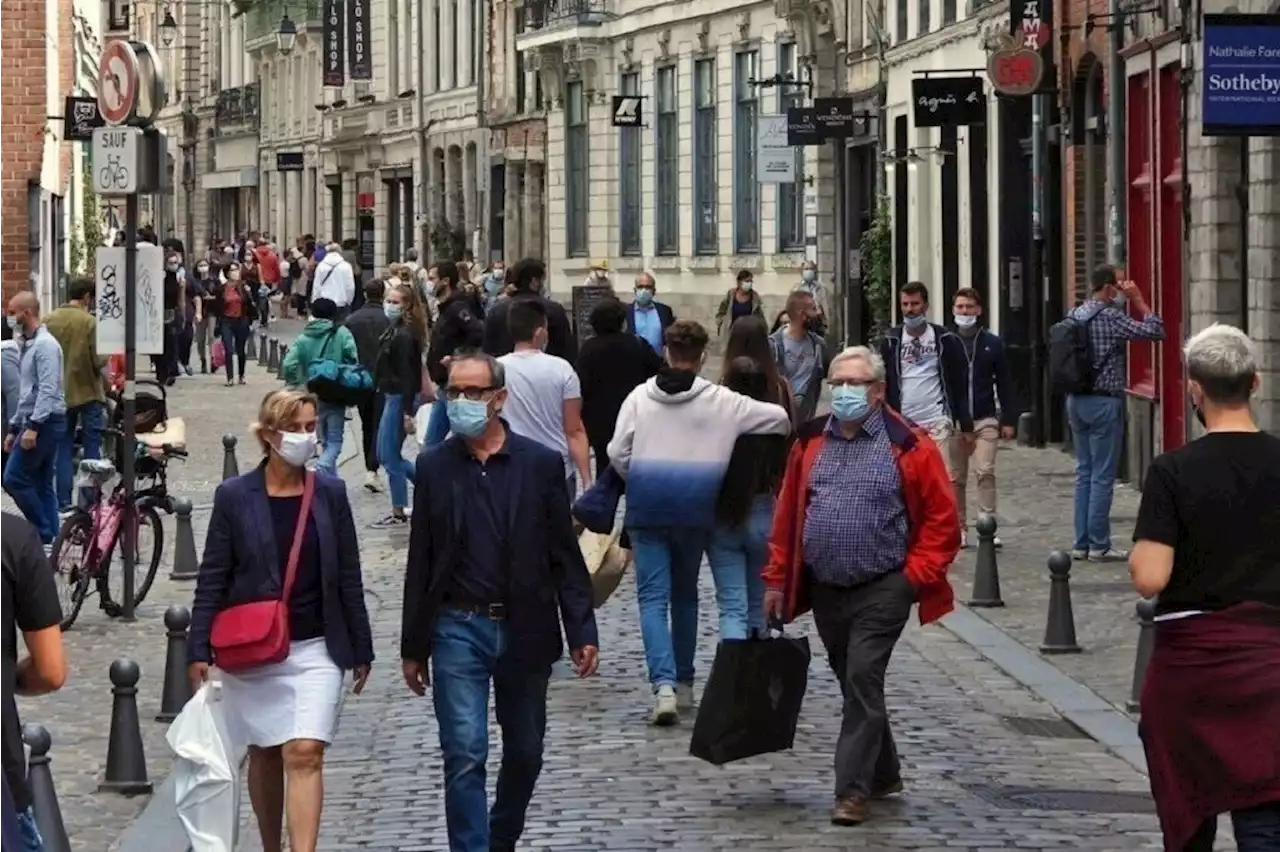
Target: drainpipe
[424,193]
[1116,179]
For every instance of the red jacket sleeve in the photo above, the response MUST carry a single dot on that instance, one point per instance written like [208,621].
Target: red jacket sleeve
[935,538]
[782,537]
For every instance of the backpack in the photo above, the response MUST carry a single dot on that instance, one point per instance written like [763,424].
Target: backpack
[1072,369]
[337,384]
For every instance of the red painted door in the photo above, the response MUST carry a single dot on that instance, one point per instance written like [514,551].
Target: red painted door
[1170,241]
[1141,222]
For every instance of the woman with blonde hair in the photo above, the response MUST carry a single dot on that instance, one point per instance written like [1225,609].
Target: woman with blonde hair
[281,533]
[398,378]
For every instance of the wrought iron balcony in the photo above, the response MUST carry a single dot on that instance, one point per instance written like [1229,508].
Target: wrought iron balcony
[262,17]
[549,14]
[237,109]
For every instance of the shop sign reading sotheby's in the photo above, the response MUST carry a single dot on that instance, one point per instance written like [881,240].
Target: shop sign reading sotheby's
[1241,84]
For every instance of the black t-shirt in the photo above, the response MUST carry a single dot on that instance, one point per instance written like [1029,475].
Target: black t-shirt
[30,604]
[1216,502]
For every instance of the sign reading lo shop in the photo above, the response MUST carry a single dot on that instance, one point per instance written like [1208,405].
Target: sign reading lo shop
[1240,89]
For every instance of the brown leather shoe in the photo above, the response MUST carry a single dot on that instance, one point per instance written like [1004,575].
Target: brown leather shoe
[850,810]
[887,790]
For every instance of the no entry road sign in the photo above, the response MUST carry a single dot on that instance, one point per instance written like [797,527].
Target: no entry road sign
[118,82]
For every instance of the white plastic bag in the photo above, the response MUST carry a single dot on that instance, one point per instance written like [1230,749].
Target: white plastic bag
[206,772]
[421,420]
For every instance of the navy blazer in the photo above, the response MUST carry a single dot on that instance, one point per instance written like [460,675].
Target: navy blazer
[989,378]
[242,564]
[666,316]
[548,577]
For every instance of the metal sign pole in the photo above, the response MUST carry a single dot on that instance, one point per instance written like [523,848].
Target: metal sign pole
[128,443]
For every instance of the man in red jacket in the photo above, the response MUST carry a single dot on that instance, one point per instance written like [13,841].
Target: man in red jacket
[865,526]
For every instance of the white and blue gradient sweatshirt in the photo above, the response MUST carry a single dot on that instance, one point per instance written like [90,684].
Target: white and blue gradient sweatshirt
[673,448]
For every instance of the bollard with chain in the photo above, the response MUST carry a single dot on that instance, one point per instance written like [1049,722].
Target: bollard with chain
[126,771]
[986,573]
[284,351]
[230,467]
[186,564]
[1146,610]
[177,689]
[1060,625]
[273,355]
[44,797]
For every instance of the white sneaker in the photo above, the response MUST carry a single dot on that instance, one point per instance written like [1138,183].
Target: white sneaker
[371,483]
[964,539]
[666,712]
[684,697]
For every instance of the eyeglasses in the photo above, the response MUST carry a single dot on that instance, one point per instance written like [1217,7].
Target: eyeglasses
[850,383]
[473,394]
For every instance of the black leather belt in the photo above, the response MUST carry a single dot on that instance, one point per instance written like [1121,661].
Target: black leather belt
[491,611]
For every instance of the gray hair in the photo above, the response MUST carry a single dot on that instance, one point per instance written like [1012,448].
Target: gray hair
[497,373]
[646,276]
[411,255]
[1224,362]
[864,354]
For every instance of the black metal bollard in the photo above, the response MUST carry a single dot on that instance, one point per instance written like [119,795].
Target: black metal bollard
[284,351]
[177,689]
[273,355]
[250,347]
[126,762]
[1146,610]
[262,349]
[230,468]
[1060,626]
[186,565]
[44,798]
[986,573]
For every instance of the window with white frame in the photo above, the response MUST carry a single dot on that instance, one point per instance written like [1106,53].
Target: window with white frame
[923,25]
[900,30]
[630,242]
[791,195]
[667,156]
[705,213]
[746,188]
[577,162]
[395,28]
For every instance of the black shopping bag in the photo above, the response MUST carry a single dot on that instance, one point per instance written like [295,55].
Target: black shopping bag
[752,700]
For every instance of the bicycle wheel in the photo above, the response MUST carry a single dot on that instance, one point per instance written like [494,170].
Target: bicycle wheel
[74,542]
[150,535]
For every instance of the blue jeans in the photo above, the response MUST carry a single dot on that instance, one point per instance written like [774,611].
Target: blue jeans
[235,340]
[469,651]
[737,556]
[30,840]
[438,425]
[90,418]
[390,442]
[1097,429]
[331,426]
[667,562]
[29,477]
[1256,830]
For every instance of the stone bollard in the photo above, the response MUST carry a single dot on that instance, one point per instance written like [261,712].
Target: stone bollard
[284,351]
[262,349]
[230,468]
[1146,610]
[177,689]
[126,762]
[186,564]
[273,355]
[986,574]
[1060,626]
[44,798]
[250,347]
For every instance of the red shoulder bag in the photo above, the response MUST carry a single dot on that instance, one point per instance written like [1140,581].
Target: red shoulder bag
[254,634]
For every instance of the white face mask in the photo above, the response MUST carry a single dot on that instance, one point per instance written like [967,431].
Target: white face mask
[963,321]
[297,448]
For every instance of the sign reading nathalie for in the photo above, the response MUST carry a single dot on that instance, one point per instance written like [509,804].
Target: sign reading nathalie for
[1240,87]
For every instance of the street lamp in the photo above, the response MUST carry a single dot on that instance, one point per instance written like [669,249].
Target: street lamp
[286,35]
[168,28]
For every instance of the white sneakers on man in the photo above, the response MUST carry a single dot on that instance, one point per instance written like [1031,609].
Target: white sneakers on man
[666,710]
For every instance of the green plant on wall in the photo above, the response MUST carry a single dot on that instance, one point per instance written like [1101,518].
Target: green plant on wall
[877,268]
[447,242]
[87,234]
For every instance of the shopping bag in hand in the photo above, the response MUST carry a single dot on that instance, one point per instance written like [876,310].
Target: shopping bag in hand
[219,354]
[206,772]
[752,700]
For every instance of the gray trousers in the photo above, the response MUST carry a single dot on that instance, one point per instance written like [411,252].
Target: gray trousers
[860,625]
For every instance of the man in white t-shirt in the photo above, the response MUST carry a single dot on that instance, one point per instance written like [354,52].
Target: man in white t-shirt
[544,397]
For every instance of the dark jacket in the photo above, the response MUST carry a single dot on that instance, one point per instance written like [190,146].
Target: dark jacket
[459,327]
[241,564]
[561,341]
[666,316]
[548,578]
[397,368]
[367,325]
[989,378]
[953,365]
[609,368]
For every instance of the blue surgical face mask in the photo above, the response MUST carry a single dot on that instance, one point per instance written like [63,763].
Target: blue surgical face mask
[644,296]
[849,402]
[915,322]
[493,283]
[392,312]
[468,417]
[963,321]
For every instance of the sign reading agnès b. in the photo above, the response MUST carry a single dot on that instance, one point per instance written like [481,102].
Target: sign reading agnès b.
[1240,88]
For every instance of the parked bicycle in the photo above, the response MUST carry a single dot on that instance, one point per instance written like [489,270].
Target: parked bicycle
[93,533]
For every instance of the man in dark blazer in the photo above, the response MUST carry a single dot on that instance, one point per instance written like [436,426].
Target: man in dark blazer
[528,277]
[647,318]
[493,569]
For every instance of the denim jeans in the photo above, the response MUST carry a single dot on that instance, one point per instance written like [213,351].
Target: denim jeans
[331,425]
[667,562]
[737,556]
[1097,429]
[90,419]
[469,651]
[1256,830]
[30,839]
[390,442]
[438,425]
[235,339]
[29,477]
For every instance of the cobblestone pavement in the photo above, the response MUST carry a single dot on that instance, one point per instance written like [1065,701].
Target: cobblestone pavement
[1035,516]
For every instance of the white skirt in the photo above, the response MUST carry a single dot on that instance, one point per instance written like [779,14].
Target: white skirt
[298,698]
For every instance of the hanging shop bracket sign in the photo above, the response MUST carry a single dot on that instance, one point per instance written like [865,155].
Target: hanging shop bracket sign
[948,101]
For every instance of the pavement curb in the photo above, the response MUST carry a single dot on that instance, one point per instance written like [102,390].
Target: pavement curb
[1074,701]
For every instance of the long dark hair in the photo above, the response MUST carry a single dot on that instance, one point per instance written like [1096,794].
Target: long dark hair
[758,461]
[749,339]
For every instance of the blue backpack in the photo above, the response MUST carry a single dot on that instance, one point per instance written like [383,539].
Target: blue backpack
[338,384]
